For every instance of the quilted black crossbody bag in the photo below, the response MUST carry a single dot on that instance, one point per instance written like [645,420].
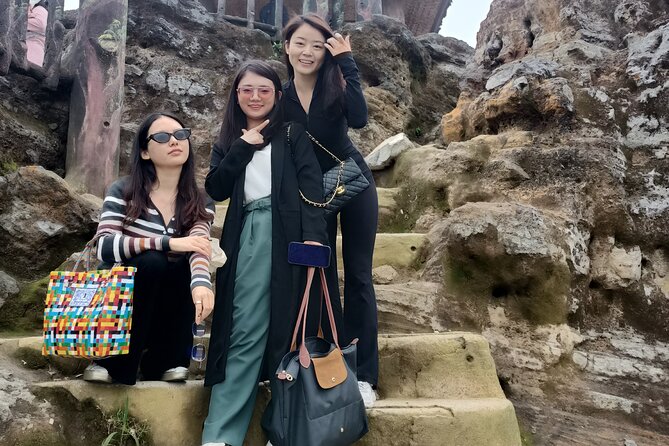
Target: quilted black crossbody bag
[340,184]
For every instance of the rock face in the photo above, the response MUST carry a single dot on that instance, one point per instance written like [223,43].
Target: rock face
[411,82]
[554,171]
[33,124]
[181,60]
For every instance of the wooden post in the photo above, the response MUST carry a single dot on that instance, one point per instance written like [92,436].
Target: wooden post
[221,7]
[308,6]
[250,13]
[338,14]
[322,8]
[55,33]
[278,17]
[96,103]
[6,20]
[367,8]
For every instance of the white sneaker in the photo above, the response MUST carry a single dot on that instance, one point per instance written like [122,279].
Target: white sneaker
[368,394]
[175,374]
[97,374]
[269,443]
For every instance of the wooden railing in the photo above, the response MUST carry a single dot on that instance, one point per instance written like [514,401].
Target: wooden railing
[364,9]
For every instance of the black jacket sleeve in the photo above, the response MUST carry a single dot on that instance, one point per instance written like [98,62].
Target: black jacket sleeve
[355,106]
[310,182]
[225,167]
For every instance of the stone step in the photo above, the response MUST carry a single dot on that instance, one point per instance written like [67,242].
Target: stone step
[411,307]
[398,249]
[434,422]
[175,413]
[455,365]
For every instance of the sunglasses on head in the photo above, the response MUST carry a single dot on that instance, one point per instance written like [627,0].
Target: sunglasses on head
[263,92]
[163,137]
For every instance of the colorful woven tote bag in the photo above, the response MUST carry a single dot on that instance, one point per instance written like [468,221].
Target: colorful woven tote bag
[89,313]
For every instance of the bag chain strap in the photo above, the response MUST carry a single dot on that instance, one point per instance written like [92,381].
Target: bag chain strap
[340,173]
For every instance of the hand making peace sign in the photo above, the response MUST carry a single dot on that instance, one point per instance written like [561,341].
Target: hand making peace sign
[338,44]
[253,136]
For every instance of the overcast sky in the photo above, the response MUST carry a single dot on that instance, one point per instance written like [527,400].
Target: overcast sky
[71,4]
[463,19]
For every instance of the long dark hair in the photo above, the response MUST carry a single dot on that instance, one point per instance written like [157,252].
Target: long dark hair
[235,119]
[332,77]
[190,201]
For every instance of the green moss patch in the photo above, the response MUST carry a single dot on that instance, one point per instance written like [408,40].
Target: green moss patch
[31,358]
[412,199]
[25,312]
[536,288]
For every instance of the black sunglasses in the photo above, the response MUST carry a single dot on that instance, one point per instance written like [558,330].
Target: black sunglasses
[163,137]
[199,351]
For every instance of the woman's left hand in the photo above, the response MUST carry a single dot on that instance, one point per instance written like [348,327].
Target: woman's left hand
[310,242]
[203,299]
[338,44]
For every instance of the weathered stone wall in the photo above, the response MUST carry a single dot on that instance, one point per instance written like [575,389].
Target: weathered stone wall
[556,178]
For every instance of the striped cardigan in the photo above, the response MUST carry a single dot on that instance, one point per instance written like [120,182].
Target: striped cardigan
[118,243]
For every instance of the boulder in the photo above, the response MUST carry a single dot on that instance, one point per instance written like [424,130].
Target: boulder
[420,88]
[9,288]
[388,55]
[386,152]
[510,253]
[42,221]
[382,275]
[387,117]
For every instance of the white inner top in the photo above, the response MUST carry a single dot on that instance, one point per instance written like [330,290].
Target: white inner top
[258,183]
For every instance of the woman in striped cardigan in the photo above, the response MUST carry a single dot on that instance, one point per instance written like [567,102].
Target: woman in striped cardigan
[157,220]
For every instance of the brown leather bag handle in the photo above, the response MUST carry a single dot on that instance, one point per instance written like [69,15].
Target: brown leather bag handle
[305,359]
[303,309]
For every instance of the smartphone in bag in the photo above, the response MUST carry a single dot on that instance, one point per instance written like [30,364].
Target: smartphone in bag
[308,255]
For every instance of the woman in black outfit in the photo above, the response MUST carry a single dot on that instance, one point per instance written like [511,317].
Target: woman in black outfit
[325,96]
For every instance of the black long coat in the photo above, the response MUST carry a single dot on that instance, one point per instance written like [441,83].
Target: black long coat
[292,220]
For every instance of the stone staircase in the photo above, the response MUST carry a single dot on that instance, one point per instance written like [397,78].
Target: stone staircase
[435,389]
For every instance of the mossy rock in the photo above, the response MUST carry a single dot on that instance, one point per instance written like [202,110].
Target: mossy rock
[412,199]
[81,423]
[31,358]
[25,312]
[536,288]
[41,435]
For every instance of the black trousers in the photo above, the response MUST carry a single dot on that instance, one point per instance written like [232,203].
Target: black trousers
[358,220]
[163,313]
